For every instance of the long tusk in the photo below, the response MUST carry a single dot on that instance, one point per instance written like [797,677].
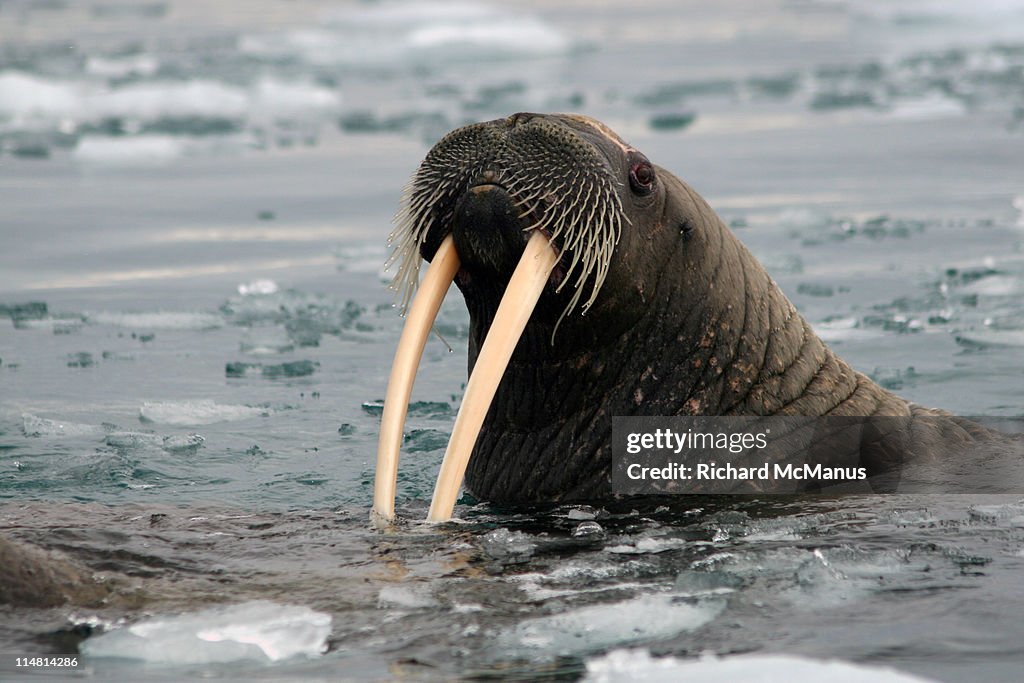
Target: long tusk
[521,295]
[403,373]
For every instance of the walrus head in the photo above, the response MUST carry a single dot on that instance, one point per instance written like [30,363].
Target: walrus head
[490,185]
[607,287]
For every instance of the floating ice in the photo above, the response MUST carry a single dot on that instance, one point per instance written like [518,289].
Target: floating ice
[25,95]
[275,97]
[640,666]
[595,627]
[1010,515]
[257,287]
[690,582]
[159,320]
[646,545]
[914,517]
[153,100]
[122,67]
[297,368]
[843,329]
[505,543]
[407,33]
[934,106]
[987,339]
[587,529]
[822,577]
[306,316]
[405,595]
[575,572]
[539,587]
[36,426]
[31,310]
[151,120]
[522,35]
[266,340]
[182,444]
[129,440]
[996,285]
[89,101]
[132,440]
[933,10]
[257,631]
[143,150]
[199,412]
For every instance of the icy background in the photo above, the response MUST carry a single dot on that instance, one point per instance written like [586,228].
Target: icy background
[195,332]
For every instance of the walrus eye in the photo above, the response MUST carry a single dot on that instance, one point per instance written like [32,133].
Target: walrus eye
[641,177]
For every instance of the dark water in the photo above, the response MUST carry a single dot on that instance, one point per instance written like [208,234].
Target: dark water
[195,330]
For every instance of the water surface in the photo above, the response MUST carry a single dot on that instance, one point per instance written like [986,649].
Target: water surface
[195,331]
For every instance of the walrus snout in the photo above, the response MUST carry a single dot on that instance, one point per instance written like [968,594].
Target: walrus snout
[489,231]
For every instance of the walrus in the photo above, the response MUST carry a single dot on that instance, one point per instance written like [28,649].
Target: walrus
[598,284]
[33,577]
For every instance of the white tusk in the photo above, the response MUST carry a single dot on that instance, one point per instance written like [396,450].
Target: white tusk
[521,295]
[403,373]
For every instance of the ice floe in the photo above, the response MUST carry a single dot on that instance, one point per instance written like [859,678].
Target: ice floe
[640,667]
[35,426]
[128,440]
[150,120]
[405,34]
[408,596]
[157,320]
[258,287]
[506,543]
[257,631]
[92,101]
[1010,515]
[199,412]
[144,150]
[594,627]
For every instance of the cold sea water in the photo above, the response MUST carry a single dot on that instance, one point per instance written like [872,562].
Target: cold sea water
[196,332]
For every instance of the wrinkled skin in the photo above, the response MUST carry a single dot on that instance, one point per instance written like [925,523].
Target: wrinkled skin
[687,322]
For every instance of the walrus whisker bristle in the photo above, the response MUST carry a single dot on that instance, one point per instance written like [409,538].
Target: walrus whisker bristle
[574,202]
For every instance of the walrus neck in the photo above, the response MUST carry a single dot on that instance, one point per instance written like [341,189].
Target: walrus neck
[747,351]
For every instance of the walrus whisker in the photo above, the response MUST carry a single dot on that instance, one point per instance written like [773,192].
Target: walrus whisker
[577,197]
[403,373]
[576,236]
[528,199]
[514,311]
[577,206]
